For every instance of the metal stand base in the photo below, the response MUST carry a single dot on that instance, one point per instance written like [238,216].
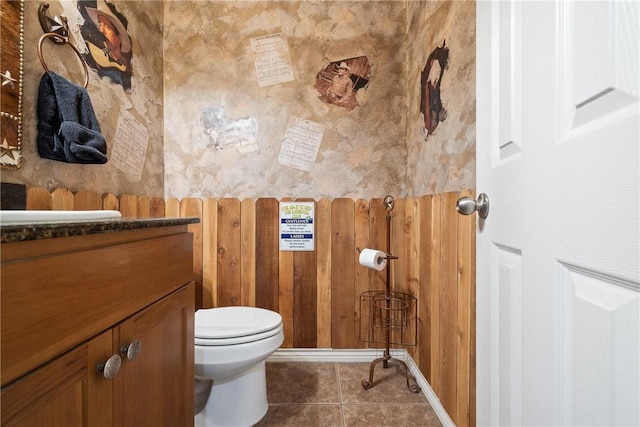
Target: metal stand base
[412,385]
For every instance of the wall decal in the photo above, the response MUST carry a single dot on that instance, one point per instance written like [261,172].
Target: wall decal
[221,133]
[339,81]
[108,42]
[301,143]
[431,102]
[130,149]
[272,61]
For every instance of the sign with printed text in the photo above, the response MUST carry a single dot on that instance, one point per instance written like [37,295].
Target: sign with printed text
[297,226]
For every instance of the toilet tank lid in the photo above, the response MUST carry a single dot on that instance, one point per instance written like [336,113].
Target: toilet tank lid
[230,322]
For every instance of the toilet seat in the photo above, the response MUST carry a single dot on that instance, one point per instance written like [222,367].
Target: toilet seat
[235,325]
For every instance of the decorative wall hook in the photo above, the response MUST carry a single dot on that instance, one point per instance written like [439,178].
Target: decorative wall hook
[58,25]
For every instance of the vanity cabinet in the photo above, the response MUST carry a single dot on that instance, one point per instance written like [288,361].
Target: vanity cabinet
[64,392]
[71,303]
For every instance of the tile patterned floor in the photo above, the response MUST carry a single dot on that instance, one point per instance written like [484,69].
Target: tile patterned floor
[307,394]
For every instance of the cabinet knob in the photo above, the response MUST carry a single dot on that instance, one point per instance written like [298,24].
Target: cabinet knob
[110,367]
[132,350]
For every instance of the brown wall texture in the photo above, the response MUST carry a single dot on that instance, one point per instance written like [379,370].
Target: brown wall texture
[215,129]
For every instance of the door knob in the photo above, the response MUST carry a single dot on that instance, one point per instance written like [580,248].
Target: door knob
[467,206]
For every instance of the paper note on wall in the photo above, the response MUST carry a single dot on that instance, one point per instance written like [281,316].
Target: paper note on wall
[272,61]
[130,149]
[301,143]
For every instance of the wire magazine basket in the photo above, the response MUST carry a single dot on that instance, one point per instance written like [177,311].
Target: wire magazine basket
[394,313]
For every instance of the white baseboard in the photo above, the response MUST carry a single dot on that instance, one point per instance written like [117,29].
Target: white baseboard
[428,392]
[364,355]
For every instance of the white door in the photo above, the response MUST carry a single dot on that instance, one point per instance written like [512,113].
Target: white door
[558,318]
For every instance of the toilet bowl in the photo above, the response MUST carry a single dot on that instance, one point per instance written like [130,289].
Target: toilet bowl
[231,346]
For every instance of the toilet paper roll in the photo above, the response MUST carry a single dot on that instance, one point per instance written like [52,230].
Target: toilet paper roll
[372,258]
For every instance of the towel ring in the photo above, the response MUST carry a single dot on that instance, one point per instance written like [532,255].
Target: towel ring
[57,38]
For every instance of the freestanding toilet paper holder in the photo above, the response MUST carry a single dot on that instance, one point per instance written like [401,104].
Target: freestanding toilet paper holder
[391,314]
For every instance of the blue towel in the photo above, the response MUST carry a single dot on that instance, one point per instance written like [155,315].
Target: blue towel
[68,130]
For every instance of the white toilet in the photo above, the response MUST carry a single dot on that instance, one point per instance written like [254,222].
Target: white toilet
[231,346]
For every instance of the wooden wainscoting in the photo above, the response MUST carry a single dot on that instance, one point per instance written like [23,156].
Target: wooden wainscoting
[237,261]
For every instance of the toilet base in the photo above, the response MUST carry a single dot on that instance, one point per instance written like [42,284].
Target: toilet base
[236,401]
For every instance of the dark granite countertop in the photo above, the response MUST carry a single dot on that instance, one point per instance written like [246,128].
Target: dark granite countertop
[24,232]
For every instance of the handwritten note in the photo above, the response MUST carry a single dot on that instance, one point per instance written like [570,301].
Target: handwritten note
[272,60]
[301,143]
[130,147]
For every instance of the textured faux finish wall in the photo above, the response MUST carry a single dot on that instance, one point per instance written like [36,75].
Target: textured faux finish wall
[209,64]
[143,101]
[379,147]
[445,160]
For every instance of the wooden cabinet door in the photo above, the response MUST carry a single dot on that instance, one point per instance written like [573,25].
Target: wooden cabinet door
[65,392]
[156,389]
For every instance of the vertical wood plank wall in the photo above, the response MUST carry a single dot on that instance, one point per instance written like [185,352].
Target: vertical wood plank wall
[237,261]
